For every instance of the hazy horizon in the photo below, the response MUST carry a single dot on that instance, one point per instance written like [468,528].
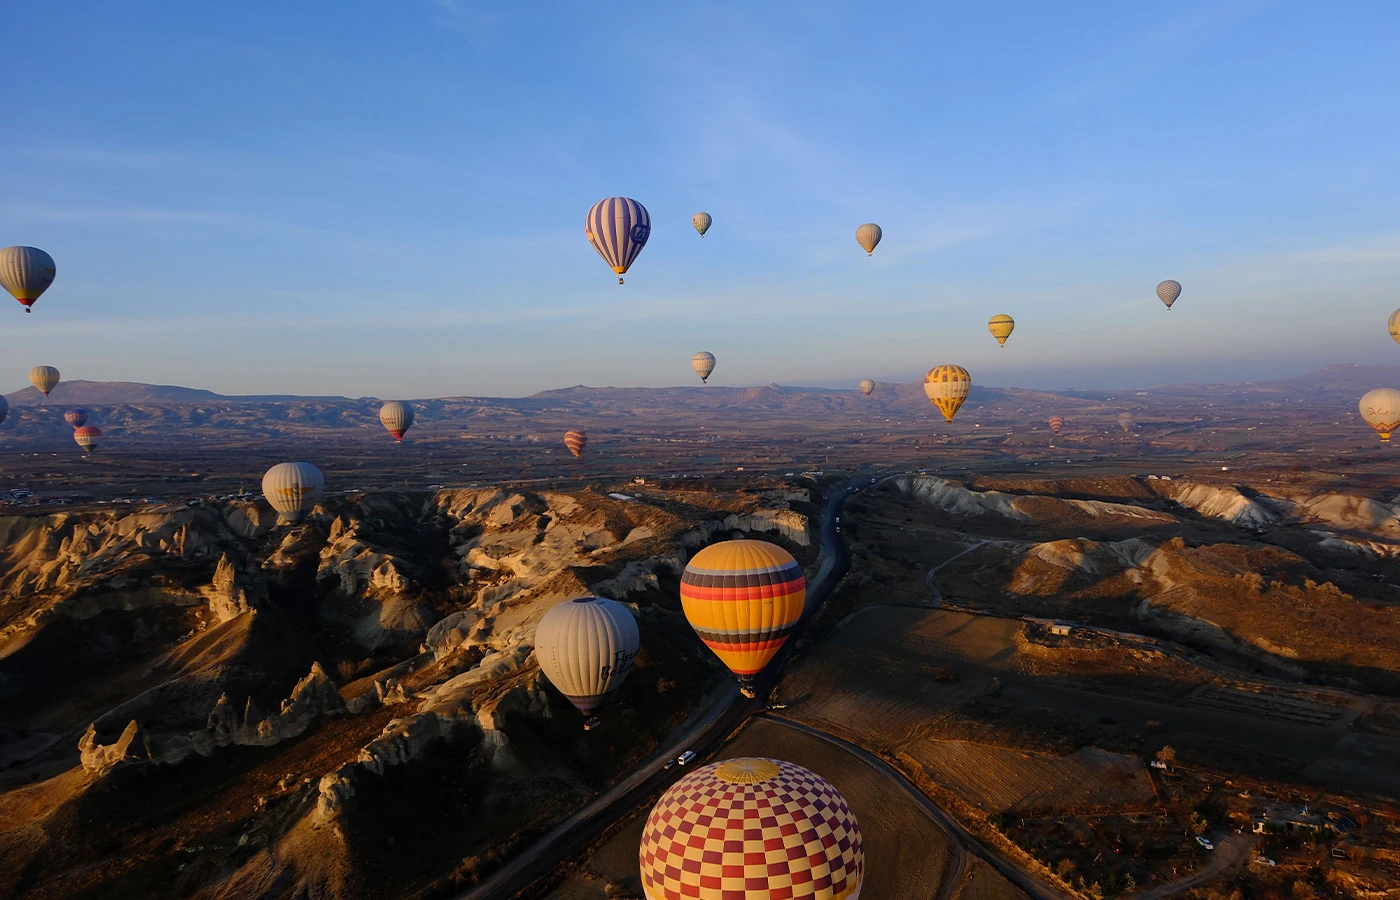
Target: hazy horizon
[394,206]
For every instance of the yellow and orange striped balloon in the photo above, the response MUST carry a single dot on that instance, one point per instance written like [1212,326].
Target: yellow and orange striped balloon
[947,388]
[743,598]
[576,440]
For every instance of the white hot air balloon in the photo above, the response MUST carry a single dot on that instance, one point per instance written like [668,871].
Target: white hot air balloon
[868,236]
[1168,291]
[703,363]
[45,378]
[293,489]
[1381,410]
[26,272]
[585,648]
[701,221]
[397,417]
[867,386]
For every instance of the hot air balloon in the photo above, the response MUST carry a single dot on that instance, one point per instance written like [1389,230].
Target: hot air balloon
[397,416]
[743,598]
[1056,424]
[76,417]
[618,228]
[45,378]
[868,236]
[26,272]
[701,221]
[703,363]
[1168,291]
[585,648]
[1001,327]
[1394,324]
[293,488]
[576,440]
[1381,410]
[752,829]
[1125,421]
[867,386]
[88,437]
[4,408]
[947,387]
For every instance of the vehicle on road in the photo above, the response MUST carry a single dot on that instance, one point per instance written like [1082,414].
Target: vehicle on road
[685,757]
[1204,842]
[670,764]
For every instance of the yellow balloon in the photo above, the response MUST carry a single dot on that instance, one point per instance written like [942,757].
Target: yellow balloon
[1001,327]
[947,387]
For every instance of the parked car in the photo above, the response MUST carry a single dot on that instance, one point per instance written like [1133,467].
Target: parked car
[1204,842]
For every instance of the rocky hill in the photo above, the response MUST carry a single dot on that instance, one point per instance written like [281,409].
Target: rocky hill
[197,700]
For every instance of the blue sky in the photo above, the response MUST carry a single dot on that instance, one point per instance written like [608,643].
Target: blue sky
[387,198]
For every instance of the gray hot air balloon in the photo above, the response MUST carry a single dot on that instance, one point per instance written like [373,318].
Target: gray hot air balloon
[4,408]
[1125,421]
[585,648]
[867,386]
[45,378]
[868,236]
[26,272]
[293,489]
[1168,291]
[703,363]
[397,416]
[701,221]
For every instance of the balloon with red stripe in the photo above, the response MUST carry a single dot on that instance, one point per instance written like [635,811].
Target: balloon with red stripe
[743,598]
[576,440]
[88,437]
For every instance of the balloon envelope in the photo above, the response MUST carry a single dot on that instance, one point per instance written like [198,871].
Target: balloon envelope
[867,386]
[88,437]
[1394,325]
[1125,421]
[785,824]
[618,228]
[703,363]
[585,648]
[701,221]
[293,489]
[45,378]
[26,272]
[947,388]
[868,236]
[4,408]
[1001,327]
[76,417]
[1168,291]
[743,598]
[1056,424]
[1381,410]
[575,440]
[397,417]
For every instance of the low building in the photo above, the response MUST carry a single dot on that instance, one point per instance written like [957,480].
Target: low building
[1061,628]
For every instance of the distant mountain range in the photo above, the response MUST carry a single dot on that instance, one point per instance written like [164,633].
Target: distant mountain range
[1337,378]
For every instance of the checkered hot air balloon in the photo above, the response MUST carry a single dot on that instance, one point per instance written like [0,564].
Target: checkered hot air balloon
[26,272]
[752,829]
[576,440]
[1168,291]
[293,489]
[45,378]
[88,437]
[618,228]
[947,388]
[743,598]
[77,417]
[397,417]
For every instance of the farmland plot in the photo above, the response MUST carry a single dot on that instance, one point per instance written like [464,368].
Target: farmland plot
[1001,779]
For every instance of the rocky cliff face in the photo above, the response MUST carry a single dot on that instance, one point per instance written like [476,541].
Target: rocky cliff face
[358,648]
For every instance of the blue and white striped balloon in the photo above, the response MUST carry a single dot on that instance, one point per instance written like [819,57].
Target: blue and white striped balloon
[618,228]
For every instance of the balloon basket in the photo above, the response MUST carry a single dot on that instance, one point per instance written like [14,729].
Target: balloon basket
[592,723]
